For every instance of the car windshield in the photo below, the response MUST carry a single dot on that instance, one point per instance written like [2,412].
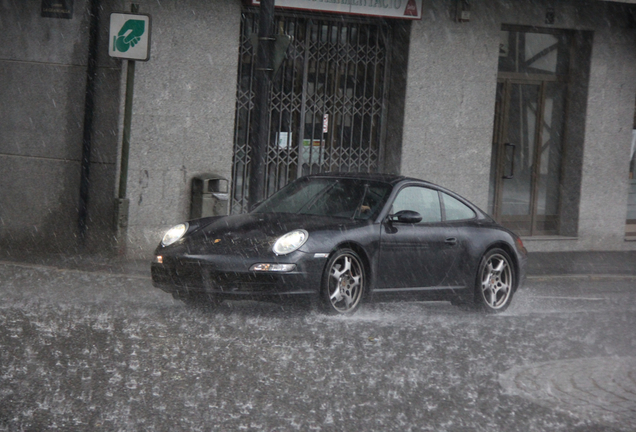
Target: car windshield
[345,198]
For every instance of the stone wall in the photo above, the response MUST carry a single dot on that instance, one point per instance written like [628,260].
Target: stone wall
[450,102]
[43,65]
[183,112]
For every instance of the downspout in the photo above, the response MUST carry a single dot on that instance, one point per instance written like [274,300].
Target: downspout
[259,136]
[89,107]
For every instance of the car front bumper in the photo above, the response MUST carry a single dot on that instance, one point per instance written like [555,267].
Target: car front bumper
[230,277]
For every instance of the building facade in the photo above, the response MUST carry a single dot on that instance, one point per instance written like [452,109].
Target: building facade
[524,108]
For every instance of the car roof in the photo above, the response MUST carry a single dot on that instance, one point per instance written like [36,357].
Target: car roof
[381,177]
[386,178]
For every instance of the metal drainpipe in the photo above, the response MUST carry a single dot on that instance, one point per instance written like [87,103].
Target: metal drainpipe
[89,107]
[263,78]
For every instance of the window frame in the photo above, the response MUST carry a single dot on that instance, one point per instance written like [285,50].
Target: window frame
[443,203]
[478,213]
[429,187]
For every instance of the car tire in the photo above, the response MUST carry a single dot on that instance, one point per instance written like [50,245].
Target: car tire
[343,283]
[495,283]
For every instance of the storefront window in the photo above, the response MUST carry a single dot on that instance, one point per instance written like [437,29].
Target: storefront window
[533,53]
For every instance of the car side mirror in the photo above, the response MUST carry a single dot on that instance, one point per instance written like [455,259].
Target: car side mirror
[406,216]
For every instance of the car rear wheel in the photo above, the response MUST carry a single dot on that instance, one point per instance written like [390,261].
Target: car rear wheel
[495,281]
[343,282]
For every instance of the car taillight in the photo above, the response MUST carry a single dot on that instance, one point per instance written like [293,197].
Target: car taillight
[520,245]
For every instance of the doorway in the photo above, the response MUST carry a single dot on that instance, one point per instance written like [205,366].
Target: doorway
[328,101]
[528,136]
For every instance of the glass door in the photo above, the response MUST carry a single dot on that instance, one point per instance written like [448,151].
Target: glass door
[527,151]
[527,148]
[515,143]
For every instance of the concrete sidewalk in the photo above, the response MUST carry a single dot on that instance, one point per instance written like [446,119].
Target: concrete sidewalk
[610,263]
[540,264]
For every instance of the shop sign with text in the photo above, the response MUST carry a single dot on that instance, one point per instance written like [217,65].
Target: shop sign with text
[404,9]
[57,9]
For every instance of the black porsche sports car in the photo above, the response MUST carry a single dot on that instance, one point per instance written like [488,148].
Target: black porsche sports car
[340,239]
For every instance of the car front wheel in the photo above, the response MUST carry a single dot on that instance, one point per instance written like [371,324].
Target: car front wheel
[495,281]
[343,282]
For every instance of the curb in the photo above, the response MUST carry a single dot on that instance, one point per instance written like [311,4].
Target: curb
[589,277]
[72,270]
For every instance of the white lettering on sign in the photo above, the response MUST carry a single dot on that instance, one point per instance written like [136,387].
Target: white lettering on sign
[405,9]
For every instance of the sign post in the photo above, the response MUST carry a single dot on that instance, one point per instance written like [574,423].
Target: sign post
[129,39]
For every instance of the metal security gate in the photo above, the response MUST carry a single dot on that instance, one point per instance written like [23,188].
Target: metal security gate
[327,102]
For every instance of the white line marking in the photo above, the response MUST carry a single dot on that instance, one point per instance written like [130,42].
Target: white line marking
[570,298]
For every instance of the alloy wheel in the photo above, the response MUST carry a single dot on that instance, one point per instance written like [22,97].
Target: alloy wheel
[345,282]
[496,281]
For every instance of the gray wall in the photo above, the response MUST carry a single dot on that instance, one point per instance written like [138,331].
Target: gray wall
[450,99]
[183,112]
[42,86]
[184,103]
[450,102]
[604,189]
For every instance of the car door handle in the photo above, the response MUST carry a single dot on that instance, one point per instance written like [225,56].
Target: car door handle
[512,162]
[452,241]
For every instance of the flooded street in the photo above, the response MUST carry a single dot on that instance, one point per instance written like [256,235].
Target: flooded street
[97,351]
[410,146]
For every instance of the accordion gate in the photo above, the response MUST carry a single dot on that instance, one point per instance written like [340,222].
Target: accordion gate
[327,109]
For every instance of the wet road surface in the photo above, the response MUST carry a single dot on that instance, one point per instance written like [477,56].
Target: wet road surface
[97,351]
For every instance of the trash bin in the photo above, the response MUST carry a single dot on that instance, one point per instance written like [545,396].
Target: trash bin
[209,196]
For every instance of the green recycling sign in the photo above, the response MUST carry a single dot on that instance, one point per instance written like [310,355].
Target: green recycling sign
[129,36]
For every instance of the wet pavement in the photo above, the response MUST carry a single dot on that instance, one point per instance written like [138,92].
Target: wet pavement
[91,345]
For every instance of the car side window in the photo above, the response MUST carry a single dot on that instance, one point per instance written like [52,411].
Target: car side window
[456,210]
[420,199]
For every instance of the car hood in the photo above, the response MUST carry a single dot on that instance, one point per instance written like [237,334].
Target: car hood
[255,233]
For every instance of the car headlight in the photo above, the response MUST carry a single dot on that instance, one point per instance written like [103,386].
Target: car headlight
[290,242]
[174,234]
